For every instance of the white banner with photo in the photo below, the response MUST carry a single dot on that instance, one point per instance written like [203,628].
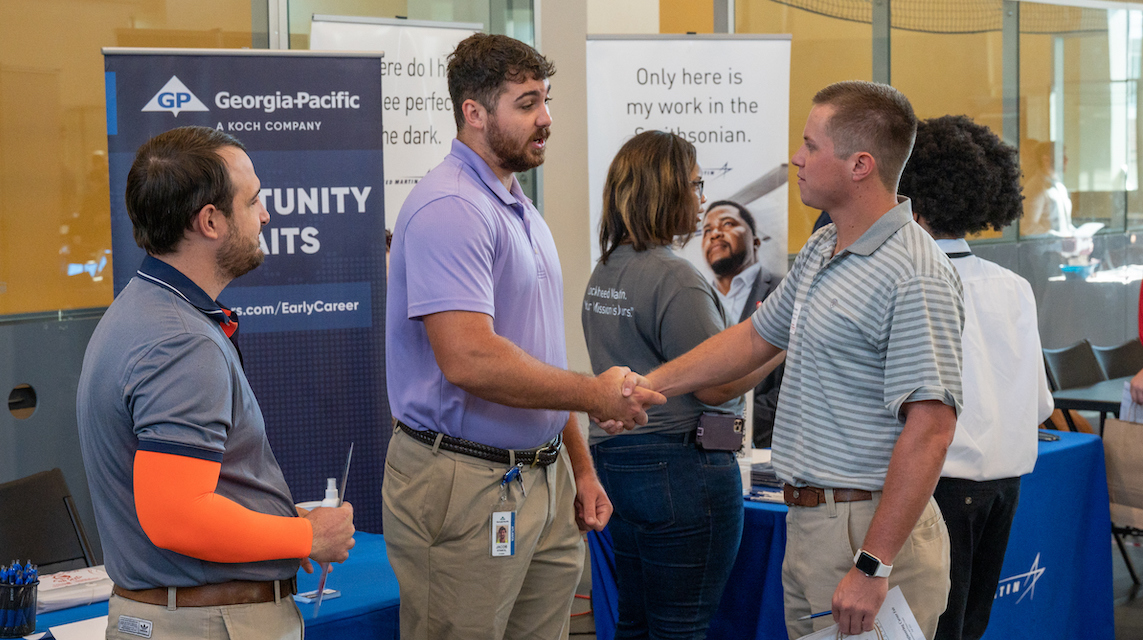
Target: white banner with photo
[727,94]
[417,111]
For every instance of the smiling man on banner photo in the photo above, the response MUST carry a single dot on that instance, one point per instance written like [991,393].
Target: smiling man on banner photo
[730,242]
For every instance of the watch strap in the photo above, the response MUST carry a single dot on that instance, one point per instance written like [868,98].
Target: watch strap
[871,565]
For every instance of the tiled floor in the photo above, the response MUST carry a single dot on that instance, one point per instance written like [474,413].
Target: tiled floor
[1128,598]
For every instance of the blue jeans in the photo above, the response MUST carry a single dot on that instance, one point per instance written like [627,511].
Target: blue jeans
[676,528]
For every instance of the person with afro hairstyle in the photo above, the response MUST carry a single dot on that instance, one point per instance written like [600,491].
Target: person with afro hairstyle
[963,179]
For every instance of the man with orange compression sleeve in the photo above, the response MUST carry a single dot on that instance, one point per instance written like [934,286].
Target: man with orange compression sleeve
[192,506]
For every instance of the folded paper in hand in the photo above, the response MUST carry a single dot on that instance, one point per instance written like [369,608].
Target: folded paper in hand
[894,621]
[65,589]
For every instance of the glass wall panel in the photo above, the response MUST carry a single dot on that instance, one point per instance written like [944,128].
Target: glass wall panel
[950,62]
[1079,81]
[826,48]
[55,237]
[1079,71]
[301,13]
[510,17]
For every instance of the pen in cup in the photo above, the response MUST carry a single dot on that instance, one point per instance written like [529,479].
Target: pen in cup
[815,615]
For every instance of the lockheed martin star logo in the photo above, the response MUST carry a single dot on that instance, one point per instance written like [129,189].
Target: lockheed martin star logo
[1025,581]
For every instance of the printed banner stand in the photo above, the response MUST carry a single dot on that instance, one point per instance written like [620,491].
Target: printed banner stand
[312,327]
[419,123]
[729,95]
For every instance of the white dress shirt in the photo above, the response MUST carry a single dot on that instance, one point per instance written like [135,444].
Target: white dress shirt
[735,299]
[1006,394]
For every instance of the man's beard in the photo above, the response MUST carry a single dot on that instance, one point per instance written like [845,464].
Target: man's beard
[513,156]
[730,265]
[237,256]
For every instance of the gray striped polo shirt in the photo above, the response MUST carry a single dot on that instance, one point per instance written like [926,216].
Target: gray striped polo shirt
[866,331]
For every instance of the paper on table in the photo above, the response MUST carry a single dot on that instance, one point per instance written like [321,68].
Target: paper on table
[62,579]
[90,629]
[1128,410]
[894,621]
[66,589]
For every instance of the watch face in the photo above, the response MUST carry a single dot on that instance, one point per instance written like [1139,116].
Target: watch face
[867,564]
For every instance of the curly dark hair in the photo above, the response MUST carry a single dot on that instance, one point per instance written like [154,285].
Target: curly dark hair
[962,178]
[482,63]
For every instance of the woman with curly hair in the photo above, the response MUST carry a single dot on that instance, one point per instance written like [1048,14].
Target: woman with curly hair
[963,179]
[678,507]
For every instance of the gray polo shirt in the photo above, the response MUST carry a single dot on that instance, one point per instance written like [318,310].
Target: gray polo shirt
[867,330]
[644,308]
[160,375]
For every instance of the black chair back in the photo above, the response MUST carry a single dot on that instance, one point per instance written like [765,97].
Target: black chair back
[41,524]
[1073,366]
[1122,360]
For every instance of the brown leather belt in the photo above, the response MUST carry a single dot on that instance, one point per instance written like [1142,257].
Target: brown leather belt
[813,496]
[212,595]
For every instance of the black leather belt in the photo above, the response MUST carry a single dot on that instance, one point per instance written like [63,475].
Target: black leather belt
[542,456]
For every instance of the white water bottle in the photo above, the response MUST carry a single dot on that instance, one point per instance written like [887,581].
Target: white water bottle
[331,494]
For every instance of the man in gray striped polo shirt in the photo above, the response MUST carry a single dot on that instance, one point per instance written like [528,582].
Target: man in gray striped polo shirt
[871,316]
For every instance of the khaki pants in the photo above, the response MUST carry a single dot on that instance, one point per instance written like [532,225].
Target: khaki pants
[262,621]
[438,531]
[821,542]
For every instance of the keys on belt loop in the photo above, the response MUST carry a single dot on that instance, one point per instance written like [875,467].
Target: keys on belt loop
[514,474]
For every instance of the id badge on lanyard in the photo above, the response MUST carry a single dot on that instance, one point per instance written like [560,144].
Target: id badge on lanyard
[503,526]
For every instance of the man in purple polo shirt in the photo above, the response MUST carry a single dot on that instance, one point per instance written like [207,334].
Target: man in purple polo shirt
[479,488]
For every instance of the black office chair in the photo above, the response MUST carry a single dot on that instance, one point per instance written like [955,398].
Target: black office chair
[1120,361]
[1074,366]
[42,525]
[1071,367]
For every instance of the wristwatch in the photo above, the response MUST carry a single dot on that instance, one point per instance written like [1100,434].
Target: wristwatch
[871,565]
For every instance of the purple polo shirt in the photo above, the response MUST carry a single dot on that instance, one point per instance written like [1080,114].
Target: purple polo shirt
[465,243]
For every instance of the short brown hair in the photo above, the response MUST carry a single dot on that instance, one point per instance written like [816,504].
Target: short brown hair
[176,174]
[874,118]
[482,63]
[648,199]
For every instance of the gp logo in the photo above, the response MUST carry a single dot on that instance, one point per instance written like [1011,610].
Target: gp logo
[176,98]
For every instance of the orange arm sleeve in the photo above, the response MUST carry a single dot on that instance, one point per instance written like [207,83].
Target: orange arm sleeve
[179,511]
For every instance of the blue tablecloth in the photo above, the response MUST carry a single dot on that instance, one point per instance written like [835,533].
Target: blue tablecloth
[1056,581]
[368,606]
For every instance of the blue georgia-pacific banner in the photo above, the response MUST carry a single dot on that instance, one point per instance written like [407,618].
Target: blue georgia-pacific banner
[312,317]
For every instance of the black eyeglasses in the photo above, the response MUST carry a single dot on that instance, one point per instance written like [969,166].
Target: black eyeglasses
[697,185]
